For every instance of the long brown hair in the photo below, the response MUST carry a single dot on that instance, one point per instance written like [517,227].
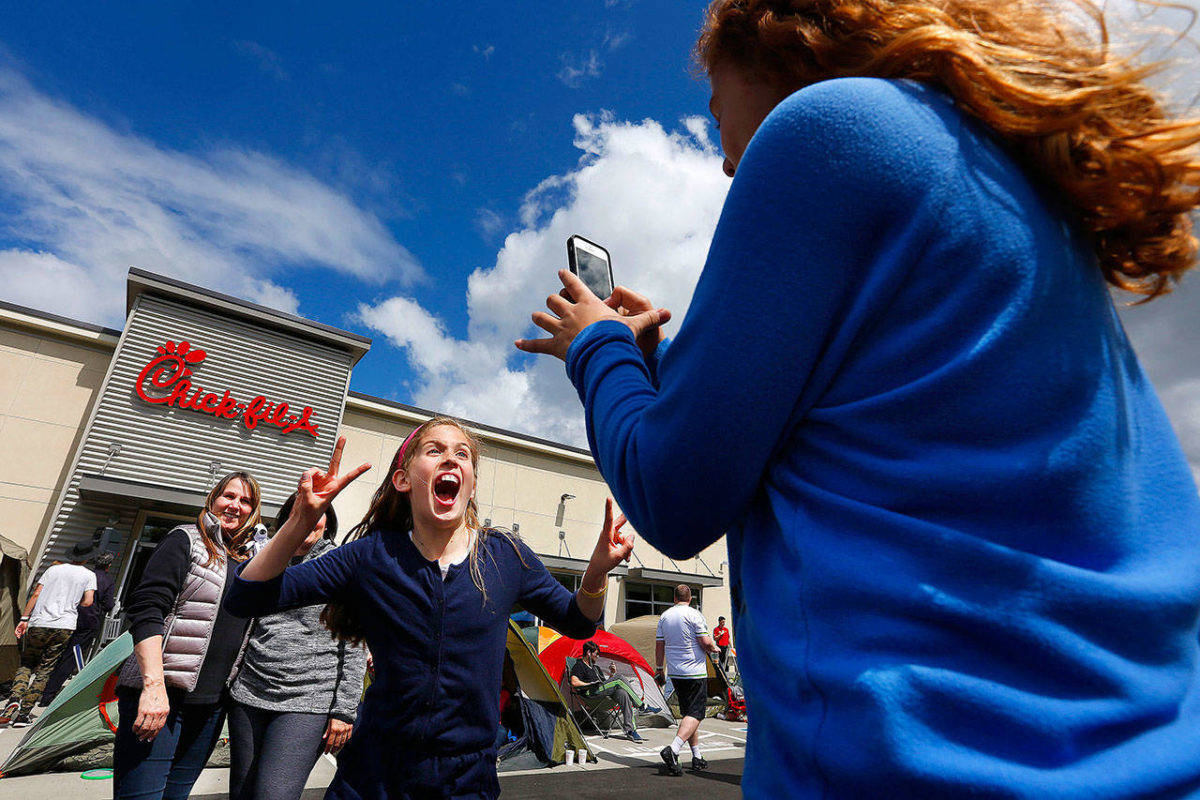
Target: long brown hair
[231,545]
[392,509]
[1039,73]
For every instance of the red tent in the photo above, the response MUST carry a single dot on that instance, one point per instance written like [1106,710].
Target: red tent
[558,651]
[630,665]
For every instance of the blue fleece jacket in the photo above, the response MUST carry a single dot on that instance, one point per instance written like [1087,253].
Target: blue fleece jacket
[428,721]
[964,542]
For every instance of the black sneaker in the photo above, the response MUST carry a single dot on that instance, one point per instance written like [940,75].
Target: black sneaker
[671,760]
[22,721]
[699,764]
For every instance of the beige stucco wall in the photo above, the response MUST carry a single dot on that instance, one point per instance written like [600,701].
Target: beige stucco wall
[49,377]
[522,486]
[48,381]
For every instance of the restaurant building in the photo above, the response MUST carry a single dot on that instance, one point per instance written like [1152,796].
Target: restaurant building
[116,436]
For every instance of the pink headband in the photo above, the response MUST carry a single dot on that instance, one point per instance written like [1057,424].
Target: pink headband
[403,447]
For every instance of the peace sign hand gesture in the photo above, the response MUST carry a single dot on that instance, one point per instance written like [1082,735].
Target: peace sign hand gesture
[613,546]
[317,489]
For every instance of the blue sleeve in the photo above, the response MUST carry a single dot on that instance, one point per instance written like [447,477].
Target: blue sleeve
[829,209]
[545,597]
[315,581]
[655,359]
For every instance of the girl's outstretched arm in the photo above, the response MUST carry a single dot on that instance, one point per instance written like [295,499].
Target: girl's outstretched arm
[266,584]
[313,497]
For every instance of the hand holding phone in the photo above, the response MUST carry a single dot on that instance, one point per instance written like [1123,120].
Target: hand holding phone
[592,264]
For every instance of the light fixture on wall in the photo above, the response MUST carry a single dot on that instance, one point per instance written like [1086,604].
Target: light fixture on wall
[516,527]
[562,544]
[562,509]
[487,522]
[114,450]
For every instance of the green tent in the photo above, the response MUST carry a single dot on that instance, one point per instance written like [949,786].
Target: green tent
[549,727]
[82,716]
[76,731]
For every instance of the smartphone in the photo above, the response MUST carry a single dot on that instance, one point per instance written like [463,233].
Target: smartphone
[592,264]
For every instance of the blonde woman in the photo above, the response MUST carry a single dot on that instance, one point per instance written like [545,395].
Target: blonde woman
[964,542]
[170,693]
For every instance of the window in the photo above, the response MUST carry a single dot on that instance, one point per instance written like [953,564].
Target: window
[523,618]
[571,580]
[652,598]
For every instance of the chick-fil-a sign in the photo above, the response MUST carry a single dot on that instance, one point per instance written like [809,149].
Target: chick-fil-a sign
[166,380]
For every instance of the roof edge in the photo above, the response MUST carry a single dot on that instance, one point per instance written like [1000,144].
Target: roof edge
[45,322]
[142,281]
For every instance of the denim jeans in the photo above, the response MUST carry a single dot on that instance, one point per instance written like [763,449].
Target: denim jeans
[168,765]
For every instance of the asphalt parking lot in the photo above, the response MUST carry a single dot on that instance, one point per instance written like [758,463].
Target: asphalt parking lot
[622,769]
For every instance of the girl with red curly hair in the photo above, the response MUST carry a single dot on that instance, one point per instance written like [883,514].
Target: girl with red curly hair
[964,541]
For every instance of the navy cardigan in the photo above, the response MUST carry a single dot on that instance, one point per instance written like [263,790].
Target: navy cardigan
[438,646]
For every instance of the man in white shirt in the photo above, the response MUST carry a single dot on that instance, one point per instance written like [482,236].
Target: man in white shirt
[683,642]
[49,621]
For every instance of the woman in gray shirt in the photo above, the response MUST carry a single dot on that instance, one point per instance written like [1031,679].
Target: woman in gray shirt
[295,691]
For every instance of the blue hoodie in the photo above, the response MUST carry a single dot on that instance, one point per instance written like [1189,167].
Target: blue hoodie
[964,541]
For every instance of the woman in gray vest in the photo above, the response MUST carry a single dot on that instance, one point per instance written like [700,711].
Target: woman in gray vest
[295,690]
[170,693]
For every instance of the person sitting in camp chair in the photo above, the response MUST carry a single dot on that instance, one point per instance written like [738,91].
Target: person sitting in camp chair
[588,680]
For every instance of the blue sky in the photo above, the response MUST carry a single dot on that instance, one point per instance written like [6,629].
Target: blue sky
[407,171]
[330,159]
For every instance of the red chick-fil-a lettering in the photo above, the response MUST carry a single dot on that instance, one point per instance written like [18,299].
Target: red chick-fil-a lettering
[167,380]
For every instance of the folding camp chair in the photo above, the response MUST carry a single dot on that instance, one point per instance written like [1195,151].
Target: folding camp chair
[599,710]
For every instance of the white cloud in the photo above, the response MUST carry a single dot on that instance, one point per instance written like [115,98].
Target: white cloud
[652,197]
[489,223]
[84,202]
[575,70]
[268,60]
[613,41]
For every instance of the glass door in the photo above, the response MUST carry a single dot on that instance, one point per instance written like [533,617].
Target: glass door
[147,533]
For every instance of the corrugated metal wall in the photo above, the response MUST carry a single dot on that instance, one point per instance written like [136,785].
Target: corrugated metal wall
[178,448]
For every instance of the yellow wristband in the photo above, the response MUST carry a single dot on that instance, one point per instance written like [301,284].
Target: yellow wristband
[600,593]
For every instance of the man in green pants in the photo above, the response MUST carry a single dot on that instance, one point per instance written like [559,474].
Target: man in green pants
[589,680]
[46,627]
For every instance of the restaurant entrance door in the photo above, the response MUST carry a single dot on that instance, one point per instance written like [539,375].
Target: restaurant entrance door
[148,530]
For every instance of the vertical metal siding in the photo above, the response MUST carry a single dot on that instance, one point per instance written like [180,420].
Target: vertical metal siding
[175,447]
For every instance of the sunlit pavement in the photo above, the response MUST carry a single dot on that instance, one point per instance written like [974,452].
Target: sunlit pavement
[623,769]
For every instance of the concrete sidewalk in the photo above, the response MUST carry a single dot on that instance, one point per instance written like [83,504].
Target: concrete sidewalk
[720,740]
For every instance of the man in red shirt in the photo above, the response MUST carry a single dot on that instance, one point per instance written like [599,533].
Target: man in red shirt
[721,635]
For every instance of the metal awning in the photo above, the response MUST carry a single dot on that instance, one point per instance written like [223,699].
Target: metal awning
[150,496]
[577,565]
[666,576]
